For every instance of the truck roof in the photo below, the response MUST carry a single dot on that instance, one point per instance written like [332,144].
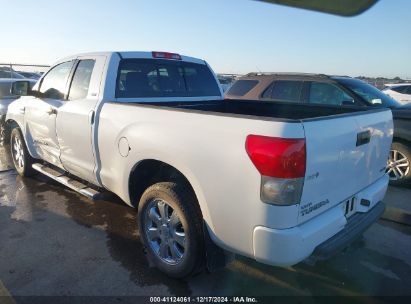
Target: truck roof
[130,54]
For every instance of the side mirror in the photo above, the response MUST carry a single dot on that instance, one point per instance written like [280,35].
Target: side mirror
[20,88]
[23,88]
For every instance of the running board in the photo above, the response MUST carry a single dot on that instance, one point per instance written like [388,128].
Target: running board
[67,181]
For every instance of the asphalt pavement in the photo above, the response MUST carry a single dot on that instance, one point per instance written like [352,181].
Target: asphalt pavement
[55,242]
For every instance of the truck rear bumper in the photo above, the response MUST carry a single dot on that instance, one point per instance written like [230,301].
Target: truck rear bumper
[356,225]
[321,236]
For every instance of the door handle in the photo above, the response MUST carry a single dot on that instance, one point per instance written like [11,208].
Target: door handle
[51,110]
[91,117]
[363,138]
[22,110]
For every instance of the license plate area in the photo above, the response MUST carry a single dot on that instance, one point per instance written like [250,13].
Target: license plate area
[349,207]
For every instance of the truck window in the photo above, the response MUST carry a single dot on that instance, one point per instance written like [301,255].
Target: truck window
[164,78]
[81,80]
[242,87]
[329,94]
[54,83]
[284,90]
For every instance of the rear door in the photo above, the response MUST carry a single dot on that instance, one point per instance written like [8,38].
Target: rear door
[345,154]
[75,119]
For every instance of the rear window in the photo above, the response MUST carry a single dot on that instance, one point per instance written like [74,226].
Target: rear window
[164,78]
[242,87]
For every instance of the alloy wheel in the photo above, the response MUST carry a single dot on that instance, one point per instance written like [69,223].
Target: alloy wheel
[165,232]
[17,152]
[398,165]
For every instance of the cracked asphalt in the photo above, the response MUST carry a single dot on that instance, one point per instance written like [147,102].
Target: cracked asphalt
[55,242]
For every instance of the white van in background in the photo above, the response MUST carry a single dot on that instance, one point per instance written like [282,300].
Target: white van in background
[399,91]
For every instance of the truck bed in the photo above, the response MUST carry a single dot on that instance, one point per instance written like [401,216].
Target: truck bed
[263,109]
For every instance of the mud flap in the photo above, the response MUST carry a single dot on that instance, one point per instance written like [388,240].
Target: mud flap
[216,257]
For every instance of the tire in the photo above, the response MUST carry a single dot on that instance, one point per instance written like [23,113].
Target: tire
[171,228]
[2,132]
[399,164]
[20,156]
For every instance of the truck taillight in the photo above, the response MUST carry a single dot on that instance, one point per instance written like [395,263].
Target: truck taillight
[281,163]
[165,55]
[277,157]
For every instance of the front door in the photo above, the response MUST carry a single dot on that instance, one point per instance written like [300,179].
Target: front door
[41,113]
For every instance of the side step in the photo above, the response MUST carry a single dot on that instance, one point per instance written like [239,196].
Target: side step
[67,181]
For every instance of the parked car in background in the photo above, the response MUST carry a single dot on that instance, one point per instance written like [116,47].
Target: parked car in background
[226,80]
[6,97]
[7,73]
[30,75]
[337,91]
[260,180]
[401,92]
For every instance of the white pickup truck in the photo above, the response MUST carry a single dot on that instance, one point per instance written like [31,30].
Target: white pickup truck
[277,182]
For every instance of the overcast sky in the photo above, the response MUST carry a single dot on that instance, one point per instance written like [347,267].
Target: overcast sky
[234,36]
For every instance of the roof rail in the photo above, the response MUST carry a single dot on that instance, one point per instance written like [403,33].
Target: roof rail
[340,76]
[286,74]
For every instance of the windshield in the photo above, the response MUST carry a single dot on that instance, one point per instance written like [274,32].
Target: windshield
[369,93]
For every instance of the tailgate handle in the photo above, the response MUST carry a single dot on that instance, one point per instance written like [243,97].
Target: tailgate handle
[363,138]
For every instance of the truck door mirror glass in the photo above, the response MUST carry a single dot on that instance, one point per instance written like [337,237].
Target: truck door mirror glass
[20,88]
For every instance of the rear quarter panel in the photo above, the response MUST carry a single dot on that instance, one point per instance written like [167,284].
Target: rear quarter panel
[210,151]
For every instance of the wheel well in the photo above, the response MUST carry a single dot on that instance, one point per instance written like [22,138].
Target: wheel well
[9,125]
[149,172]
[401,140]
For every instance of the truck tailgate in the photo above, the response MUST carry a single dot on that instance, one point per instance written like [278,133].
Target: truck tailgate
[345,154]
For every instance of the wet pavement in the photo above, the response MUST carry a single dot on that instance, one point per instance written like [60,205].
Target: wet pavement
[56,242]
